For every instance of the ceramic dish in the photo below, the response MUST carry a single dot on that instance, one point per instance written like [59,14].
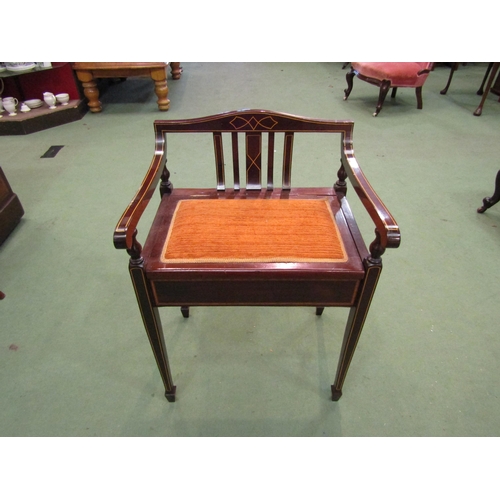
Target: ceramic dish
[34,103]
[20,66]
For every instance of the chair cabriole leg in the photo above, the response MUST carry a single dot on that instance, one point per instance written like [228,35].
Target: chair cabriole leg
[495,198]
[384,88]
[350,79]
[418,92]
[454,67]
[355,322]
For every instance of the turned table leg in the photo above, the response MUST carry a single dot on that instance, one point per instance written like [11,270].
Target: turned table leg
[159,76]
[176,70]
[90,90]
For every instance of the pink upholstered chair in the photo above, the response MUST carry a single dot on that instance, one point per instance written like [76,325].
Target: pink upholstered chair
[388,75]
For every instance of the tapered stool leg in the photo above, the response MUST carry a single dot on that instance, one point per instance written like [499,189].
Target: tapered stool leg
[152,324]
[355,322]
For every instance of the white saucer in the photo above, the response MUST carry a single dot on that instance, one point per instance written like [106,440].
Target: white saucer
[34,103]
[25,67]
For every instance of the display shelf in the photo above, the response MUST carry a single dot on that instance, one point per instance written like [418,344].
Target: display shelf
[42,118]
[5,73]
[31,84]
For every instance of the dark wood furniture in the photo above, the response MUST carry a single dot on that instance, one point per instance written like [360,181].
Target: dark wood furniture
[494,72]
[88,72]
[387,75]
[494,88]
[254,243]
[488,202]
[11,211]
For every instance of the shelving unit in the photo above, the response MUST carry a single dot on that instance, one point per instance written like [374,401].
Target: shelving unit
[31,84]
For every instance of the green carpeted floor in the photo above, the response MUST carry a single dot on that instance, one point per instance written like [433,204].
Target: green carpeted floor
[75,360]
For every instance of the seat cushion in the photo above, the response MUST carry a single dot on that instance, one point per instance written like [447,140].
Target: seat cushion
[253,230]
[400,74]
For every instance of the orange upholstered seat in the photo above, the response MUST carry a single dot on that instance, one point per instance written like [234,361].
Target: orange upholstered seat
[253,231]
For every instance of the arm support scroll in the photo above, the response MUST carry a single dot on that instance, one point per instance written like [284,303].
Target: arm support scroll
[386,228]
[125,231]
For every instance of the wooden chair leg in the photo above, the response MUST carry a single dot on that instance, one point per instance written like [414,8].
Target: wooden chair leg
[319,311]
[185,311]
[418,92]
[489,202]
[355,322]
[350,79]
[384,88]
[493,73]
[454,67]
[481,88]
[152,324]
[393,93]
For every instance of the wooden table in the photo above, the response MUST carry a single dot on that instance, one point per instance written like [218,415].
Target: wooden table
[88,72]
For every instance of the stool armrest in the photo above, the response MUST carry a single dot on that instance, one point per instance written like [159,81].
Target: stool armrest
[124,235]
[387,229]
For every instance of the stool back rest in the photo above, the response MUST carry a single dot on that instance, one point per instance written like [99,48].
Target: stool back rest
[261,130]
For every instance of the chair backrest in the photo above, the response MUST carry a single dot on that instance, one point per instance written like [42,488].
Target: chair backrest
[255,156]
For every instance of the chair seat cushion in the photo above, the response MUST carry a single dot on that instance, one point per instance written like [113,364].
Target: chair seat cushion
[400,74]
[253,230]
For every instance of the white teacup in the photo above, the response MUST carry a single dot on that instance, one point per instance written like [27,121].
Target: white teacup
[10,106]
[63,98]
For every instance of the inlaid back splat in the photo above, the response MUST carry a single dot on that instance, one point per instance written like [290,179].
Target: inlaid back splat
[258,147]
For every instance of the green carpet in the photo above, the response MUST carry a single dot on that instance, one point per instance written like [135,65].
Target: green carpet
[427,361]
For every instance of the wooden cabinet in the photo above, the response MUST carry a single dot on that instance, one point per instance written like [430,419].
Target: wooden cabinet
[11,209]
